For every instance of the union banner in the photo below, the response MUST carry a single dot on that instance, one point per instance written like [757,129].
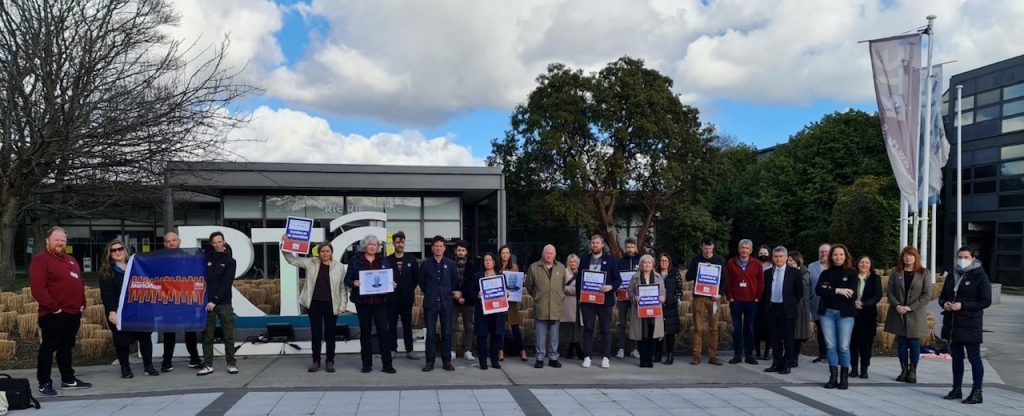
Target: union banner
[164,291]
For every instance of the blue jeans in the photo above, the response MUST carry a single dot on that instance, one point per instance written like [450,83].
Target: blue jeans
[906,345]
[837,331]
[547,339]
[744,314]
[956,349]
[431,316]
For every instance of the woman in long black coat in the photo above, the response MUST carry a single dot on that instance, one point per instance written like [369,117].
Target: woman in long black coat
[670,309]
[489,329]
[865,323]
[965,295]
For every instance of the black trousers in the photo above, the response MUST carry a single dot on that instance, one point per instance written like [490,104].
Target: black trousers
[590,312]
[861,341]
[322,324]
[59,331]
[123,341]
[400,308]
[373,317]
[191,344]
[667,347]
[780,332]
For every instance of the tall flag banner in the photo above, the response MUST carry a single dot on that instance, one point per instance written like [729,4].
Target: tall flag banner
[896,68]
[164,291]
[939,151]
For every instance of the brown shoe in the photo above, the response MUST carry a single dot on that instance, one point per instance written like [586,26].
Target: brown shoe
[330,367]
[735,360]
[428,367]
[751,360]
[714,361]
[695,360]
[315,367]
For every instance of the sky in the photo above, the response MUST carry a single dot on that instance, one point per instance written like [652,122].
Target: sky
[433,82]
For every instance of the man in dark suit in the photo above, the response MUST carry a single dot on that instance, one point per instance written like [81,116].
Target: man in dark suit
[400,303]
[439,280]
[783,288]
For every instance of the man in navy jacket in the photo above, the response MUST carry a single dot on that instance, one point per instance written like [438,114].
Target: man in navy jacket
[438,279]
[783,288]
[598,260]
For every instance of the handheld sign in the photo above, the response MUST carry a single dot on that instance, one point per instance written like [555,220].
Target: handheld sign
[298,232]
[649,305]
[514,283]
[494,299]
[622,294]
[590,290]
[709,276]
[376,282]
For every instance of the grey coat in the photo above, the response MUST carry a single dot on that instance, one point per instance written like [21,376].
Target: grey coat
[802,324]
[813,300]
[635,330]
[915,323]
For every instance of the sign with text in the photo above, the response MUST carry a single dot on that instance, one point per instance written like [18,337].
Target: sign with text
[709,277]
[649,304]
[590,287]
[493,296]
[298,233]
[164,291]
[622,294]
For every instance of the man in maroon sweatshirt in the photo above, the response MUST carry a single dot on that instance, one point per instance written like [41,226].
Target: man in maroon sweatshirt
[745,287]
[57,285]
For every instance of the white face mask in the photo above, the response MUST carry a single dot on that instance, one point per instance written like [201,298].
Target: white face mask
[963,263]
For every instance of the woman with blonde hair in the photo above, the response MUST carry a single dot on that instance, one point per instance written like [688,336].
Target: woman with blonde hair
[647,331]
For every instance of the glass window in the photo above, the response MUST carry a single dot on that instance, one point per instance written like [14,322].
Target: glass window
[243,206]
[281,206]
[1009,228]
[987,171]
[413,238]
[1008,277]
[968,117]
[1012,184]
[1012,168]
[965,188]
[985,187]
[1014,107]
[1015,244]
[967,103]
[442,208]
[451,230]
[1012,124]
[1011,152]
[404,208]
[1013,91]
[325,207]
[1008,260]
[1011,201]
[986,98]
[986,113]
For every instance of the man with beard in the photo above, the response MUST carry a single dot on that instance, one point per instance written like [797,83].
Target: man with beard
[465,302]
[400,303]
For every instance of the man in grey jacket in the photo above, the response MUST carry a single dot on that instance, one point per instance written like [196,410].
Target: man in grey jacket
[815,270]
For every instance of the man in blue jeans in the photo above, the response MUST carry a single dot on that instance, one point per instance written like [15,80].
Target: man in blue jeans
[745,287]
[438,279]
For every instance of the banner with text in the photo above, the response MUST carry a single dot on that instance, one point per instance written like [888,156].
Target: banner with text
[164,291]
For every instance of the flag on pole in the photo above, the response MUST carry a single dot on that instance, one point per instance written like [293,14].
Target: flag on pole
[896,67]
[939,151]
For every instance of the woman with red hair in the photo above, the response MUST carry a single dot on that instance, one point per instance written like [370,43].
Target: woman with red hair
[910,289]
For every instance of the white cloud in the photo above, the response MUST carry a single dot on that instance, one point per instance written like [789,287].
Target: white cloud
[285,135]
[249,25]
[421,63]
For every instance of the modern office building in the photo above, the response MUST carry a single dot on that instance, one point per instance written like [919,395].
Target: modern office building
[993,167]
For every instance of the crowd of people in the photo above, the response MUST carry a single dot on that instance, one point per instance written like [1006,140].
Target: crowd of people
[773,299]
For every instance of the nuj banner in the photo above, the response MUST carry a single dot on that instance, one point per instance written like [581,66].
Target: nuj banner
[164,291]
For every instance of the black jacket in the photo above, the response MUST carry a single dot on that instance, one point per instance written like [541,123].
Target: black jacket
[870,297]
[466,286]
[792,290]
[110,289]
[830,280]
[691,270]
[611,269]
[974,294]
[355,265]
[406,279]
[220,276]
[438,281]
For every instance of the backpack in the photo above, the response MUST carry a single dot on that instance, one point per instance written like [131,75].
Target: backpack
[18,392]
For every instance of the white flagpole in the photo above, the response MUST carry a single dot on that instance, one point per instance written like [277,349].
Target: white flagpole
[927,147]
[959,170]
[904,223]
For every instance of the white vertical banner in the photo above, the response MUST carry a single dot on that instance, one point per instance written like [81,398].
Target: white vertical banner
[939,151]
[896,67]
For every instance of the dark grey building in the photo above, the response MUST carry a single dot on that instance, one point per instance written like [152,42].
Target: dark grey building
[993,168]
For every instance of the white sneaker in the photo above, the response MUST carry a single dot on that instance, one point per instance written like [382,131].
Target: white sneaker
[635,354]
[619,354]
[605,363]
[586,362]
[232,369]
[453,356]
[205,371]
[469,356]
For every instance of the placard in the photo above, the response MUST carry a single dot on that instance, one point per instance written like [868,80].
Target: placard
[649,304]
[494,299]
[622,294]
[376,282]
[514,284]
[709,276]
[590,287]
[298,232]
[164,291]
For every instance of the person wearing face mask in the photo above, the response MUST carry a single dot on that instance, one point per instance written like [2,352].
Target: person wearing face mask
[910,289]
[324,297]
[705,316]
[964,299]
[813,273]
[115,261]
[464,302]
[761,320]
[837,288]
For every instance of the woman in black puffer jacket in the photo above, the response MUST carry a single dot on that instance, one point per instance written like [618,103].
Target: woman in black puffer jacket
[965,295]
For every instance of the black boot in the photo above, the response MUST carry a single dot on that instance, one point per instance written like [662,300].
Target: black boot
[863,371]
[126,372]
[955,394]
[903,373]
[911,374]
[833,373]
[670,359]
[853,371]
[844,378]
[974,397]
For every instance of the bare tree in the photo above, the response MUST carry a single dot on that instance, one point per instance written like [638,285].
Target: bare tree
[95,98]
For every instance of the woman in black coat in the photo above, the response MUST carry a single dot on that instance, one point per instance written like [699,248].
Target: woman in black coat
[491,325]
[868,293]
[112,268]
[670,309]
[965,295]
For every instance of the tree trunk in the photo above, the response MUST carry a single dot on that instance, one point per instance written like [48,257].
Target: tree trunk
[8,228]
[641,235]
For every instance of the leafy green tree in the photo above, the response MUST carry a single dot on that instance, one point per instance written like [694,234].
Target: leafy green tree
[864,218]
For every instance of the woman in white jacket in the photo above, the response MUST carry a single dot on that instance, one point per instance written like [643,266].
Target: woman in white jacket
[324,296]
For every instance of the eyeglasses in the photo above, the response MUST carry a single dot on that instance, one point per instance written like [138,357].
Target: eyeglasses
[116,249]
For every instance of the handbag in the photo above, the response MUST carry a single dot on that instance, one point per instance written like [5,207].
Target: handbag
[18,392]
